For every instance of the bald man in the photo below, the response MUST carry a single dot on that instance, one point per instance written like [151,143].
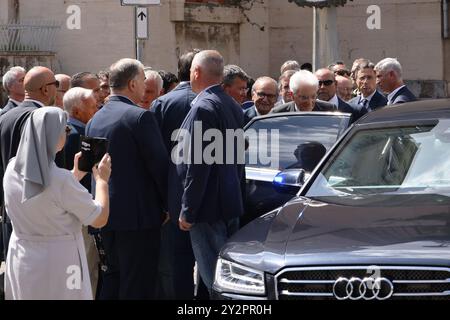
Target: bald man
[40,90]
[211,199]
[64,86]
[264,96]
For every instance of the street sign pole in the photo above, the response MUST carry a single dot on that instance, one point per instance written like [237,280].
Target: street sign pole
[141,30]
[141,24]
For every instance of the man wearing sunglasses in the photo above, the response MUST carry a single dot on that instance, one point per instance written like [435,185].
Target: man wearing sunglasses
[40,90]
[327,92]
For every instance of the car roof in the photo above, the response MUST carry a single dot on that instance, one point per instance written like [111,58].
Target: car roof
[299,114]
[418,110]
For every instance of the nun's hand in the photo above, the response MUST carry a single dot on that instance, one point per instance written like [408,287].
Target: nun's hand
[76,172]
[102,170]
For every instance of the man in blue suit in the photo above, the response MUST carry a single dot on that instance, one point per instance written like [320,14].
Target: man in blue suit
[390,81]
[13,85]
[138,186]
[327,92]
[177,260]
[369,98]
[212,196]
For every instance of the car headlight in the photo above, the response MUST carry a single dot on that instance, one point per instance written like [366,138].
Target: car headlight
[238,279]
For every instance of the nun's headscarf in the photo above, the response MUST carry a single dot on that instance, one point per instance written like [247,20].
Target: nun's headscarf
[37,149]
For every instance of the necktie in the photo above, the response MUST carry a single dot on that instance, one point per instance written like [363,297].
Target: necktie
[364,103]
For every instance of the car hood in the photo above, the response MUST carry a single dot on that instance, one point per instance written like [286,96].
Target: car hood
[384,230]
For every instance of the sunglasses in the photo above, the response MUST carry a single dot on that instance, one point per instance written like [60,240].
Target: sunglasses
[326,83]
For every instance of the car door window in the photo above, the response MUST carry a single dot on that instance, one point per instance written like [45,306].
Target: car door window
[287,142]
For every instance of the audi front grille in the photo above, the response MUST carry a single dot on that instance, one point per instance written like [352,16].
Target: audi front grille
[363,283]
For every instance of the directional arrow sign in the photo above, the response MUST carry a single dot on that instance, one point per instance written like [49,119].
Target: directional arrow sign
[141,23]
[139,2]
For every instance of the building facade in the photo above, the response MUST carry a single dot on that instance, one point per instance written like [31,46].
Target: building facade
[258,35]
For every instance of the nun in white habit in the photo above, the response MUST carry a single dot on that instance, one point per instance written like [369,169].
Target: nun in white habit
[47,206]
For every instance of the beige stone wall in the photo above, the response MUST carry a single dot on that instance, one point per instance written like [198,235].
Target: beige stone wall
[411,31]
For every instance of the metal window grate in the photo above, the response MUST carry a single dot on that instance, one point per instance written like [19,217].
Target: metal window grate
[29,36]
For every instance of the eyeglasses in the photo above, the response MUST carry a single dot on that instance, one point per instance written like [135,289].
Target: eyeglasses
[263,95]
[326,83]
[305,98]
[56,83]
[68,129]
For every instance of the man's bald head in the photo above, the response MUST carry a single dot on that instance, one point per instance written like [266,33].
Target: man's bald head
[64,86]
[206,69]
[37,77]
[40,84]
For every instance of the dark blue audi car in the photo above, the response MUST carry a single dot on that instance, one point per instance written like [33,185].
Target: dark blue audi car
[371,223]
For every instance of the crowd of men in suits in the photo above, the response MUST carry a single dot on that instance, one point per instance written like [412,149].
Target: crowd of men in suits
[165,217]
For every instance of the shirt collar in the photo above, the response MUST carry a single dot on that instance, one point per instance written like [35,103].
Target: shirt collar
[393,93]
[76,122]
[15,101]
[35,101]
[334,101]
[369,97]
[209,88]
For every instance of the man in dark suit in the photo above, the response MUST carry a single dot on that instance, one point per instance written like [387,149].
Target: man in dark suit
[327,92]
[81,105]
[283,88]
[176,259]
[303,89]
[212,197]
[13,85]
[40,90]
[369,98]
[235,82]
[389,80]
[264,96]
[138,186]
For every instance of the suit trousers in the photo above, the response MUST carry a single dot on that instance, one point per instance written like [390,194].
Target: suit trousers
[176,264]
[132,264]
[92,259]
[207,240]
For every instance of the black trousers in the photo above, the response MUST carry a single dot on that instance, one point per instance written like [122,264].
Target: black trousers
[132,264]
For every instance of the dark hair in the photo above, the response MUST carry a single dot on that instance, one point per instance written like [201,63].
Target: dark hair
[168,79]
[306,66]
[231,72]
[122,72]
[103,75]
[250,83]
[79,79]
[184,64]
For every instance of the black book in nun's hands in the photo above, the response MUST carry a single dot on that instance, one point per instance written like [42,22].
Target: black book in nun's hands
[92,152]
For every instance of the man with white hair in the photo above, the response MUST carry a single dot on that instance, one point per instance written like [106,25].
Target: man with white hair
[13,85]
[138,186]
[303,86]
[153,86]
[211,202]
[390,81]
[81,105]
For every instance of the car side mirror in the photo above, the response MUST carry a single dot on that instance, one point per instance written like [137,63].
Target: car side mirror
[289,181]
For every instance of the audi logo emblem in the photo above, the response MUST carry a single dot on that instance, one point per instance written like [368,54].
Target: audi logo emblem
[367,289]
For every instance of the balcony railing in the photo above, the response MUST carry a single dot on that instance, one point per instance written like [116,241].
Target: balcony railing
[28,36]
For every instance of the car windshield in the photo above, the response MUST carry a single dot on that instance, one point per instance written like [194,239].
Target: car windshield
[400,160]
[289,142]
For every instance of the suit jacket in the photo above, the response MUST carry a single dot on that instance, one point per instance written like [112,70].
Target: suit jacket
[249,114]
[11,125]
[9,105]
[401,96]
[138,183]
[377,101]
[72,147]
[170,111]
[212,192]
[290,107]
